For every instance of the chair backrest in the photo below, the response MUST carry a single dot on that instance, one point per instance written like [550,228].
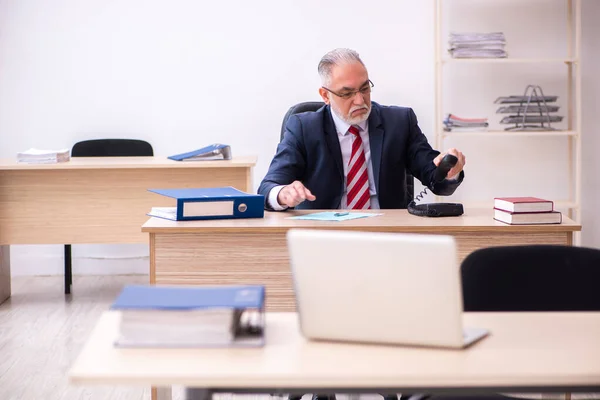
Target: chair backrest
[531,278]
[112,148]
[314,106]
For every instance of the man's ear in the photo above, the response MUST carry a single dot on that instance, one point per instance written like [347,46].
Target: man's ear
[324,95]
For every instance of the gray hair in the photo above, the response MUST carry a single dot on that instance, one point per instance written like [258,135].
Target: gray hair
[333,58]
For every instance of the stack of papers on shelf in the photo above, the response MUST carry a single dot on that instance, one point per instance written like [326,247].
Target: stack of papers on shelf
[457,123]
[163,316]
[38,156]
[477,45]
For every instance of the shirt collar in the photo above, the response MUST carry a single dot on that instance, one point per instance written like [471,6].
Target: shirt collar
[342,126]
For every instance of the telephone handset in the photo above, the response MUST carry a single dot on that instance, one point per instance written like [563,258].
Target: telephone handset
[437,209]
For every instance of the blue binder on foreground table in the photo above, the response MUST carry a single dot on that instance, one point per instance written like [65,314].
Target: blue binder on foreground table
[186,316]
[209,203]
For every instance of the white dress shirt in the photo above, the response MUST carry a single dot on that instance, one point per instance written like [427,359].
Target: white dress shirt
[345,139]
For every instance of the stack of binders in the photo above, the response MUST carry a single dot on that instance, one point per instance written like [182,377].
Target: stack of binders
[199,316]
[525,211]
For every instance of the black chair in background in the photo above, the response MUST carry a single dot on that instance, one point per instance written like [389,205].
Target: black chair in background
[529,278]
[297,109]
[103,148]
[314,106]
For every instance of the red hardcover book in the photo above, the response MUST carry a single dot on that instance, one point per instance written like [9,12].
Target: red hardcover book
[523,204]
[533,218]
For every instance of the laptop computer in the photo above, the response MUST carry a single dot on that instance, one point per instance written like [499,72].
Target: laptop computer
[391,288]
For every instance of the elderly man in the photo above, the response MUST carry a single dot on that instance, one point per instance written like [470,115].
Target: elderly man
[352,153]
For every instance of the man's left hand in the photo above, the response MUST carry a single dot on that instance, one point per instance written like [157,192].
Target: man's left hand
[460,164]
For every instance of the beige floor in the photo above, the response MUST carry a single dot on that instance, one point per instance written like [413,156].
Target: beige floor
[42,331]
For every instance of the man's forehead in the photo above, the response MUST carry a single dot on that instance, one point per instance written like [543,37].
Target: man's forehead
[349,73]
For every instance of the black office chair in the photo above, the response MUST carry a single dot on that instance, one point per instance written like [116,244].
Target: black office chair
[297,109]
[529,278]
[103,148]
[314,106]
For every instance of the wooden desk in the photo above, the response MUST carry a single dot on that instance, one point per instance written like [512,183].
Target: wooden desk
[254,251]
[96,199]
[526,352]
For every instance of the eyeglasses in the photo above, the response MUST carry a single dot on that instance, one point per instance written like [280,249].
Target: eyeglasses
[346,95]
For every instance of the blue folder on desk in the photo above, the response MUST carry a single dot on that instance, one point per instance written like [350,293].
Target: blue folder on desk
[212,203]
[213,152]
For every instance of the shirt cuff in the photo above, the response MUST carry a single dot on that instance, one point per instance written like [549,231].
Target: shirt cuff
[272,199]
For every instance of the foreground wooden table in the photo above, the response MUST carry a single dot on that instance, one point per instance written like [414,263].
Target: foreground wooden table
[96,199]
[526,352]
[254,251]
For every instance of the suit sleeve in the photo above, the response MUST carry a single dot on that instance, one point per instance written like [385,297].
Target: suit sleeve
[289,163]
[420,157]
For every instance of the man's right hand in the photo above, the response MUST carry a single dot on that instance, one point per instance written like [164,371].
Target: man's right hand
[294,194]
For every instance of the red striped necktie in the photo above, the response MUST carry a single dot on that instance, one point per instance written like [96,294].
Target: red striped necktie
[357,180]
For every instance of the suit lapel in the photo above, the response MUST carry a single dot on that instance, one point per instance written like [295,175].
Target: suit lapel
[375,142]
[333,142]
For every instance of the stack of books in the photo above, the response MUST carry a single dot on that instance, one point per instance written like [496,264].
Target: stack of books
[457,123]
[477,45]
[200,316]
[39,156]
[525,210]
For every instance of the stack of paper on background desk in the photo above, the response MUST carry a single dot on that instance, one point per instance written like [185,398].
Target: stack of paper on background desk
[39,156]
[163,316]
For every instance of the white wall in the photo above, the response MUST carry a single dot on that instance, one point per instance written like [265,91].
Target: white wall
[182,74]
[591,128]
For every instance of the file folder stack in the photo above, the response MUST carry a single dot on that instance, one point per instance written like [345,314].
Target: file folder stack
[477,45]
[162,316]
[454,122]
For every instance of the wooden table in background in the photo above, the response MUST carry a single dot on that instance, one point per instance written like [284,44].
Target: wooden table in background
[254,251]
[96,199]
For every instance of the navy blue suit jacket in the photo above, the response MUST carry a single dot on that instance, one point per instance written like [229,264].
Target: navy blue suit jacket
[310,152]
